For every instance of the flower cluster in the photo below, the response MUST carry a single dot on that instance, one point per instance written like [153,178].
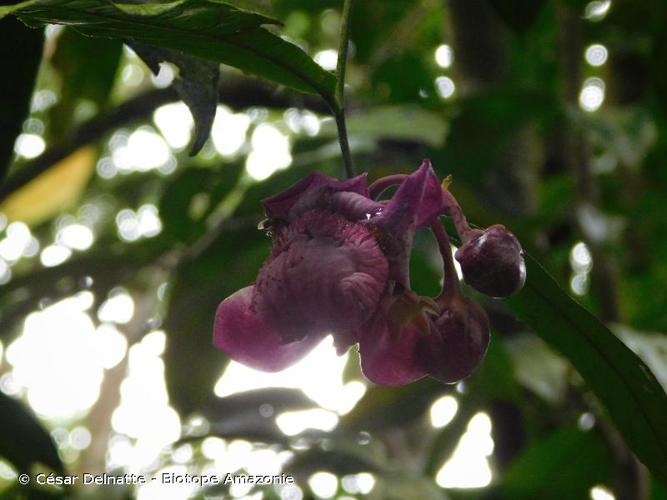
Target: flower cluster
[340,266]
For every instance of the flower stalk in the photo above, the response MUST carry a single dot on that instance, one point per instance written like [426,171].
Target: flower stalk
[341,66]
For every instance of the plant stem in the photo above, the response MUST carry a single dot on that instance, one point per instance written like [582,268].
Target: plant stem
[383,183]
[340,88]
[451,286]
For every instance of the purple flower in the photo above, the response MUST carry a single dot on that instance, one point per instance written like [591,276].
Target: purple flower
[445,338]
[340,265]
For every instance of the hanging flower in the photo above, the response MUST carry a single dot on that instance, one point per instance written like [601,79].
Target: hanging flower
[340,265]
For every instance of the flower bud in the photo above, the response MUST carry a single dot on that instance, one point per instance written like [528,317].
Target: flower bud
[492,262]
[457,342]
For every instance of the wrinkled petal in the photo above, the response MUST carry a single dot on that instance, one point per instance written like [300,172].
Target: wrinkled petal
[354,206]
[390,357]
[417,203]
[247,338]
[326,275]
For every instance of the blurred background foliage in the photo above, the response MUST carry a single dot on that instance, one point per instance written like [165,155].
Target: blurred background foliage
[116,247]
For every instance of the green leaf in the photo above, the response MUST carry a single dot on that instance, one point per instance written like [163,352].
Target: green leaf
[196,84]
[10,9]
[566,464]
[208,29]
[23,441]
[629,391]
[15,91]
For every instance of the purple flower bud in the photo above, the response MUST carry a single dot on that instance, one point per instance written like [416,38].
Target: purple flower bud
[416,337]
[492,262]
[457,343]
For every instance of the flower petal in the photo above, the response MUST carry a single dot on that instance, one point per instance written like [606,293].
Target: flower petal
[311,192]
[325,275]
[247,338]
[279,205]
[417,203]
[389,357]
[457,343]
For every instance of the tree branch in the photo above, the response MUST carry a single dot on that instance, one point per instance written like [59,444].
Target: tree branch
[238,94]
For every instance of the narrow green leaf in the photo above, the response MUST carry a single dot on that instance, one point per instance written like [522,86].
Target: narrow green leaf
[209,29]
[629,391]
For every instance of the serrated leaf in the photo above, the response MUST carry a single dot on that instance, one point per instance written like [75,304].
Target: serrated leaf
[629,391]
[209,29]
[196,84]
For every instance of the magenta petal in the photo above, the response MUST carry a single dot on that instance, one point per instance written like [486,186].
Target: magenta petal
[354,206]
[279,205]
[389,358]
[246,338]
[458,342]
[310,193]
[325,275]
[417,203]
